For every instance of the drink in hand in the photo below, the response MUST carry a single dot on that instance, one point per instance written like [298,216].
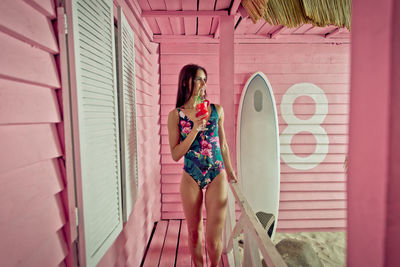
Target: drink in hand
[202,110]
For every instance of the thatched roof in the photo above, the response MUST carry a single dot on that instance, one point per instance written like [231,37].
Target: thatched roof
[293,13]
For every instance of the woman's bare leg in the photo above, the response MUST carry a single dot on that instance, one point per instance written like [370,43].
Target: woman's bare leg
[192,200]
[216,202]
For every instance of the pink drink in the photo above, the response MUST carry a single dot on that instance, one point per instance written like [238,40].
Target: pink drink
[202,108]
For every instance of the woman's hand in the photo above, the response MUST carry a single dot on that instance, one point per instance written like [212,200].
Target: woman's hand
[232,177]
[199,121]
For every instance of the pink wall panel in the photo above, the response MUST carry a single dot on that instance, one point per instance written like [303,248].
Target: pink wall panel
[33,221]
[129,247]
[15,95]
[25,63]
[326,66]
[46,7]
[310,199]
[27,24]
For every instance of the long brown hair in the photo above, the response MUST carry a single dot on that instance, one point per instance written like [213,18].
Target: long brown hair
[184,90]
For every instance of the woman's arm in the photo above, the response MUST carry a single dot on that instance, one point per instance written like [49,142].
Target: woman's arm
[179,149]
[224,145]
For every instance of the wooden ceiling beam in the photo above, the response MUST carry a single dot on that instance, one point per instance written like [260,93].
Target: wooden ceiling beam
[234,7]
[251,39]
[185,39]
[275,33]
[185,13]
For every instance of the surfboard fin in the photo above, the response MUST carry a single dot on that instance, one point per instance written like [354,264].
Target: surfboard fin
[267,220]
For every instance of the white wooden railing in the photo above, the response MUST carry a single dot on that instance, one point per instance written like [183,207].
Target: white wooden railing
[256,238]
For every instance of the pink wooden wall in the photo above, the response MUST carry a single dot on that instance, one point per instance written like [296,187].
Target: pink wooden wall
[130,245]
[314,198]
[32,213]
[33,204]
[310,199]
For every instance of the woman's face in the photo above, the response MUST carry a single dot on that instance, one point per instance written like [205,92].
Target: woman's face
[199,83]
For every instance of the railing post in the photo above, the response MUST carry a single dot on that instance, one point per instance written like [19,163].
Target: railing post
[233,256]
[257,239]
[251,255]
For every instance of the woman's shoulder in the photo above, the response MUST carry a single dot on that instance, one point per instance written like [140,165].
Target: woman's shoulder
[218,107]
[174,113]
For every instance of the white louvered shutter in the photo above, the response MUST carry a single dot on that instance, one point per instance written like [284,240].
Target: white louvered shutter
[127,97]
[95,122]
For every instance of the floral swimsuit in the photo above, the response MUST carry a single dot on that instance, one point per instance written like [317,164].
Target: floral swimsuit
[203,161]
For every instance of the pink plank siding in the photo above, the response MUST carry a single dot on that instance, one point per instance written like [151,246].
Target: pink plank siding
[26,63]
[314,198]
[20,20]
[33,225]
[173,57]
[47,7]
[129,248]
[17,94]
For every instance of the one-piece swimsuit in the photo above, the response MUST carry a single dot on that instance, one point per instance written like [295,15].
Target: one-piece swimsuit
[203,161]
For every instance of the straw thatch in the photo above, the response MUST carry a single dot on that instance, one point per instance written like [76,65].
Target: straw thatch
[293,13]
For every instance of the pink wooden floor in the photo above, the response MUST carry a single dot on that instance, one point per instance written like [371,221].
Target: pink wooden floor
[168,246]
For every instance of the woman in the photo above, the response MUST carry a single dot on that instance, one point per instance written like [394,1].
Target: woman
[206,166]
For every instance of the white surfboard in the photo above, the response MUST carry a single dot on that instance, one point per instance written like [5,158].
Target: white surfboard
[258,147]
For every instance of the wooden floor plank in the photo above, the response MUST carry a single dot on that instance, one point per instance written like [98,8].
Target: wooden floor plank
[170,244]
[183,258]
[154,253]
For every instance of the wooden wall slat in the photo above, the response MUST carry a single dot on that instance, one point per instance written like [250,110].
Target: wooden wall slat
[32,181]
[21,238]
[37,141]
[26,23]
[15,95]
[46,7]
[54,246]
[22,62]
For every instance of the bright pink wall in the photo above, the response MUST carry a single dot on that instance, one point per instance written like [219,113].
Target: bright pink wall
[374,189]
[313,199]
[130,245]
[32,219]
[33,204]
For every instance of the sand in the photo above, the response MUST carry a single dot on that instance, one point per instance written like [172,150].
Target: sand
[329,246]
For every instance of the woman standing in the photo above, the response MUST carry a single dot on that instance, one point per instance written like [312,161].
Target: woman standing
[206,165]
